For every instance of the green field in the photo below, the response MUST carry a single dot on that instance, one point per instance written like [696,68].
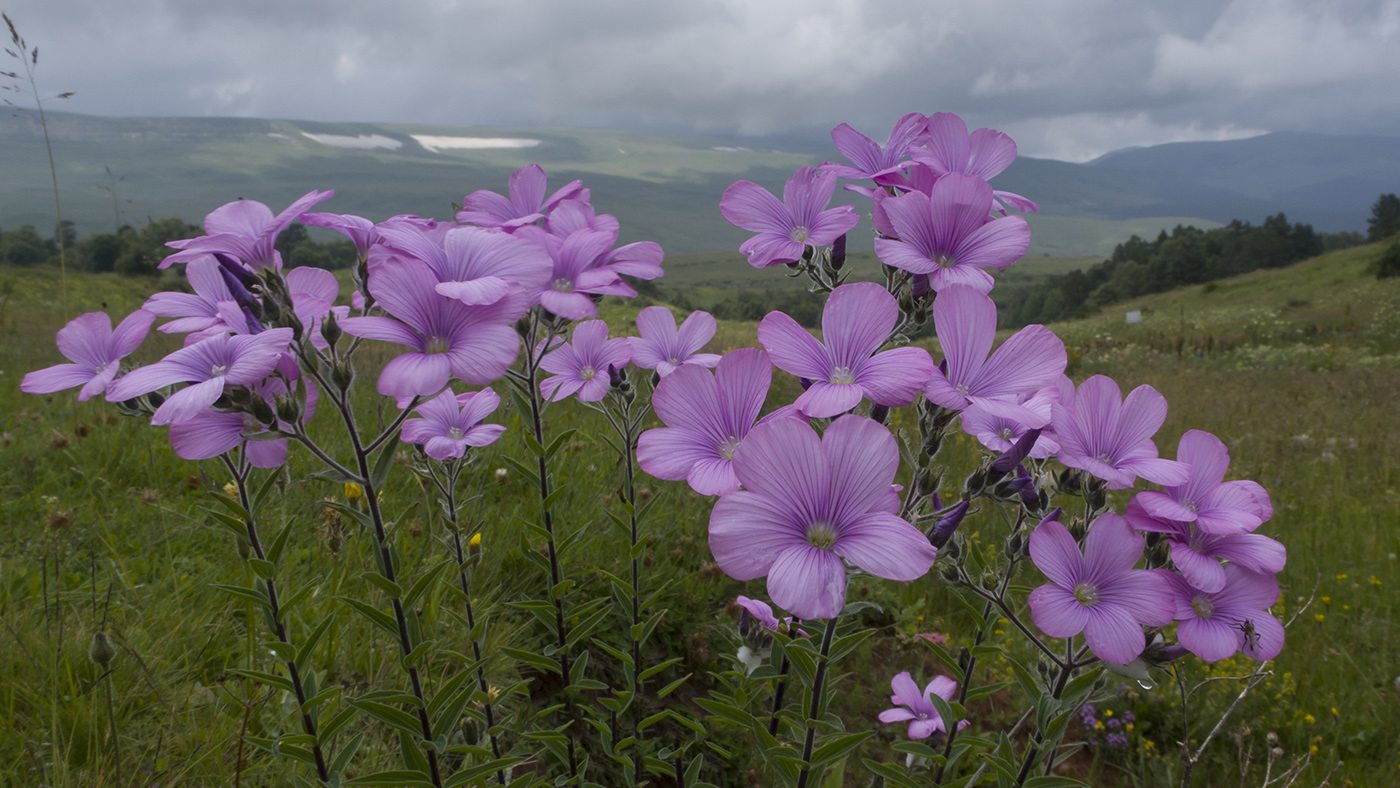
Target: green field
[1297,370]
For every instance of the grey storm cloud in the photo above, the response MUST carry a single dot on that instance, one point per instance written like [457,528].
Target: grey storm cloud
[1067,78]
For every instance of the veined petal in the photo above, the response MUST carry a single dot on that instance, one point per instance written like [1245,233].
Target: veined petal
[1056,612]
[863,458]
[1055,553]
[792,349]
[807,581]
[886,546]
[748,531]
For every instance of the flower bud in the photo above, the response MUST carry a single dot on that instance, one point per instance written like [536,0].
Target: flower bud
[330,329]
[838,252]
[947,525]
[879,413]
[244,549]
[288,409]
[263,412]
[342,374]
[101,650]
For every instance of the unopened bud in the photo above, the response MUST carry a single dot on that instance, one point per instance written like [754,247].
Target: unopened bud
[244,549]
[263,412]
[288,409]
[947,525]
[1013,546]
[330,329]
[101,650]
[342,374]
[838,252]
[878,413]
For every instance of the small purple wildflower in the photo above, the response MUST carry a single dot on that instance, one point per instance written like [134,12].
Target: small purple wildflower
[581,365]
[808,504]
[1215,625]
[526,205]
[918,709]
[95,350]
[1110,437]
[244,230]
[663,347]
[707,417]
[846,368]
[452,422]
[221,360]
[1097,592]
[1031,359]
[785,229]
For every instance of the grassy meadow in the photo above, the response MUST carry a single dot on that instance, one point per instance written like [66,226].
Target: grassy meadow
[101,527]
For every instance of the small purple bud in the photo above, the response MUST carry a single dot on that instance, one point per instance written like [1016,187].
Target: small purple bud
[1053,516]
[878,413]
[920,287]
[838,252]
[1018,452]
[614,376]
[944,529]
[806,384]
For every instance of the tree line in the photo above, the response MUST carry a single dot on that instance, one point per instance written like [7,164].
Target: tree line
[1186,256]
[136,251]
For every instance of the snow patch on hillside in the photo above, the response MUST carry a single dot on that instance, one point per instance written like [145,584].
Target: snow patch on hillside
[440,144]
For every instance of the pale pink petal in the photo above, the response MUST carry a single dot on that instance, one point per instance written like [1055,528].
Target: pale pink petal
[808,582]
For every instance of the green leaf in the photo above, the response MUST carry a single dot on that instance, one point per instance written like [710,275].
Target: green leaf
[845,645]
[395,718]
[971,607]
[655,669]
[319,698]
[559,441]
[917,749]
[274,553]
[725,711]
[1050,781]
[838,747]
[393,777]
[245,593]
[1028,681]
[304,650]
[555,496]
[893,775]
[331,727]
[264,489]
[264,569]
[673,686]
[522,469]
[269,679]
[388,586]
[472,774]
[377,617]
[989,689]
[383,464]
[284,609]
[536,661]
[423,583]
[1082,683]
[346,754]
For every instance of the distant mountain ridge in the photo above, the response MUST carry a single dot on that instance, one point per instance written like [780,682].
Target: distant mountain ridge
[663,187]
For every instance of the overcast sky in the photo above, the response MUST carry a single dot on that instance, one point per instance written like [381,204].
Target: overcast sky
[1068,79]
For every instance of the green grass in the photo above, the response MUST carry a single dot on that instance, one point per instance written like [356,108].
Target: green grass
[1296,370]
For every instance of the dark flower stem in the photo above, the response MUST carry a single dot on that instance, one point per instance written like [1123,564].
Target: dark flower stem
[530,382]
[627,431]
[240,471]
[817,685]
[448,491]
[386,566]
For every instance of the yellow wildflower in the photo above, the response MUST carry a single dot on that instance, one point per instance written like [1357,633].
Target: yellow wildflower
[475,541]
[1319,617]
[353,492]
[1375,581]
[1309,719]
[230,489]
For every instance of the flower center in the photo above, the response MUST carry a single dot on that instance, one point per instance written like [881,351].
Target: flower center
[1105,459]
[961,388]
[799,234]
[821,535]
[436,345]
[562,285]
[251,424]
[673,361]
[587,373]
[217,370]
[1086,594]
[1007,435]
[727,447]
[455,433]
[1203,606]
[944,260]
[842,376]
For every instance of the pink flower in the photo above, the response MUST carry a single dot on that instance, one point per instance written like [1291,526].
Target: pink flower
[785,229]
[923,718]
[663,347]
[581,365]
[95,350]
[452,423]
[1097,593]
